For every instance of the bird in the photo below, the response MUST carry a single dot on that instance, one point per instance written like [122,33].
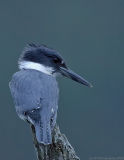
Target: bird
[35,90]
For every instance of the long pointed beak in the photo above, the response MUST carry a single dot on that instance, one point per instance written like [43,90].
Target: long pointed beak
[70,74]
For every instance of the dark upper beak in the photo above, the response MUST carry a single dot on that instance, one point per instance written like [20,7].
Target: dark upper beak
[70,74]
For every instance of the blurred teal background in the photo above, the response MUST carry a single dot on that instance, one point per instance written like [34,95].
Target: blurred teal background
[89,34]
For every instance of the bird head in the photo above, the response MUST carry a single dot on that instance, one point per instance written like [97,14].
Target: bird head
[48,61]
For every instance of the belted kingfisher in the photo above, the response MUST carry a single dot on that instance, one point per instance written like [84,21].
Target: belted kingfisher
[35,91]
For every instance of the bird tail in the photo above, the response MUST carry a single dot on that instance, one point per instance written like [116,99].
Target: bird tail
[43,133]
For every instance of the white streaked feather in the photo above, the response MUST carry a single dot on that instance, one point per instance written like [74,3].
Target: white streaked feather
[36,66]
[52,110]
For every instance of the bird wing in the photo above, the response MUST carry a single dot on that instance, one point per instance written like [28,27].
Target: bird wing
[35,100]
[27,90]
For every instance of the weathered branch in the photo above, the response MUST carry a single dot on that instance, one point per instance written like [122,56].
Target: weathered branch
[60,149]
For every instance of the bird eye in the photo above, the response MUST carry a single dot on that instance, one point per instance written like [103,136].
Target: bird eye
[56,60]
[59,61]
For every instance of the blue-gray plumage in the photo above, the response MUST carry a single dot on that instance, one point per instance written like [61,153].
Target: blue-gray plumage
[35,91]
[36,100]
